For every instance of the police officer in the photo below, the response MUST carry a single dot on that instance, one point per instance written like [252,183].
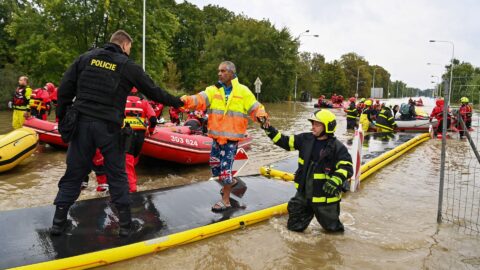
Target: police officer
[100,81]
[324,165]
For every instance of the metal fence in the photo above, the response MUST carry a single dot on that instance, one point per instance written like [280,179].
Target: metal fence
[459,195]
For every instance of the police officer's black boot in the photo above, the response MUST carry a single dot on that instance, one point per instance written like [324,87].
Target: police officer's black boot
[59,220]
[124,220]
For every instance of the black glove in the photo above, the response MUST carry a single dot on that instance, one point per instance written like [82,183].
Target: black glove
[331,187]
[177,103]
[270,130]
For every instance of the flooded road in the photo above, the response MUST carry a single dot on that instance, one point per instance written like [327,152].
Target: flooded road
[390,223]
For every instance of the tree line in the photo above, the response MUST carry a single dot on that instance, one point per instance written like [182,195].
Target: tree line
[184,45]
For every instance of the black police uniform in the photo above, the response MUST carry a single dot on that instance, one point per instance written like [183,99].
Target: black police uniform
[100,81]
[318,162]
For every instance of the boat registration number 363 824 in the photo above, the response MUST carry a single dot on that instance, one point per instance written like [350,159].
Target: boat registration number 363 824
[182,140]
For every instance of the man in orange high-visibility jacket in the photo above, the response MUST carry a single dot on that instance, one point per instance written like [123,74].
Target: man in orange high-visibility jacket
[228,104]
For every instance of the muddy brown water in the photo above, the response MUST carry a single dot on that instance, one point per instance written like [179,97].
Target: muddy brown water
[390,223]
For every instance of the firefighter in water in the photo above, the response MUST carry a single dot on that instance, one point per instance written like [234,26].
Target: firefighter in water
[352,114]
[466,114]
[40,103]
[324,167]
[385,120]
[141,118]
[368,115]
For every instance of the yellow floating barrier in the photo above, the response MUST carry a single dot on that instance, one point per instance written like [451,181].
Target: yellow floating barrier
[108,256]
[367,169]
[112,255]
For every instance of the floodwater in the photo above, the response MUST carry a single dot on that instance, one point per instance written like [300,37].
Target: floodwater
[390,223]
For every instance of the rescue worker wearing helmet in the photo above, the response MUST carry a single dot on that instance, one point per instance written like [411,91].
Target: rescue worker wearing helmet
[437,113]
[196,121]
[352,114]
[361,105]
[367,116]
[465,112]
[385,121]
[52,92]
[324,166]
[141,119]
[40,103]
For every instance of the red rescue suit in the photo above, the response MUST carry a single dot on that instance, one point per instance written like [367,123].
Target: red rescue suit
[40,103]
[140,116]
[437,112]
[466,114]
[174,115]
[52,91]
[99,170]
[157,108]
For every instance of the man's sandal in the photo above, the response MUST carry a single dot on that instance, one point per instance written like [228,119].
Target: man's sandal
[220,206]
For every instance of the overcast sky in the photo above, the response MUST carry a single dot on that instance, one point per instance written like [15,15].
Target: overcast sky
[391,33]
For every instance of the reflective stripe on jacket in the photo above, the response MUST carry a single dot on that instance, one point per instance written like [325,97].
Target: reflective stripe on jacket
[335,163]
[227,120]
[385,119]
[352,112]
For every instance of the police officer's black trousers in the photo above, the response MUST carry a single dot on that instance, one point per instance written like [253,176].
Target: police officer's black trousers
[92,134]
[301,212]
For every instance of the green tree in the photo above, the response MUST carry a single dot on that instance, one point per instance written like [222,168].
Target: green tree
[7,43]
[258,50]
[382,79]
[308,72]
[351,64]
[189,42]
[333,80]
[51,34]
[215,16]
[463,75]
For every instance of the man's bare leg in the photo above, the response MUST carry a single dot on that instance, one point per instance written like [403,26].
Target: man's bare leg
[227,189]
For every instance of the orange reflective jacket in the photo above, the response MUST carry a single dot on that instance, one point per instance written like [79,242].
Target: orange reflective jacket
[227,120]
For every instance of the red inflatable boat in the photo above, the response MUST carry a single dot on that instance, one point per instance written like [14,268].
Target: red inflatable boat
[177,144]
[47,131]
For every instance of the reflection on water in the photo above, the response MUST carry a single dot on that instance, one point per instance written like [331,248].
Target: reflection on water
[390,222]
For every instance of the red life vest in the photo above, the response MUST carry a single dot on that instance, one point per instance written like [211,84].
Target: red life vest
[19,98]
[137,113]
[466,112]
[39,100]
